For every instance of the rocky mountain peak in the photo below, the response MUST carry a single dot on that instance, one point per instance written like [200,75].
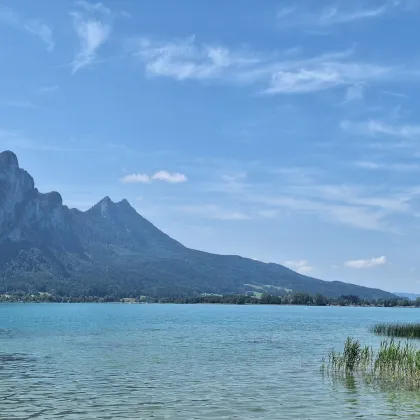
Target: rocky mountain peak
[8,160]
[23,210]
[13,179]
[125,206]
[108,208]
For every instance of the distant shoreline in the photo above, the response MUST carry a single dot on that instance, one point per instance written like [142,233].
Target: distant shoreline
[206,304]
[296,299]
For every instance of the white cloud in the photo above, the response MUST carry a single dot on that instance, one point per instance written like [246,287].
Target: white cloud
[136,178]
[211,211]
[165,176]
[379,128]
[324,73]
[367,263]
[301,266]
[93,27]
[43,31]
[92,34]
[336,15]
[33,26]
[174,178]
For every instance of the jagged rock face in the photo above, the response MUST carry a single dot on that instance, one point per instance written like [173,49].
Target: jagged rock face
[24,212]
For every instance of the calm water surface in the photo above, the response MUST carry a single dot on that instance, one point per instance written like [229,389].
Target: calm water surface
[93,361]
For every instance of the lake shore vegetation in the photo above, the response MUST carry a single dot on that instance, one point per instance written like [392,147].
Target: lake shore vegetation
[304,299]
[394,363]
[397,330]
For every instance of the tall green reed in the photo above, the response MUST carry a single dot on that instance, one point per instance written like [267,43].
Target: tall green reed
[397,330]
[394,362]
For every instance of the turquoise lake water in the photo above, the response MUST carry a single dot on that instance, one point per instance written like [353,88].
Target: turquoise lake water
[112,361]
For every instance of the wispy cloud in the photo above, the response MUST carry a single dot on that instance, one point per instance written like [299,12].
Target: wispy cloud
[23,104]
[186,59]
[285,12]
[94,7]
[395,94]
[271,73]
[33,26]
[379,128]
[42,90]
[324,72]
[93,28]
[336,13]
[367,207]
[388,166]
[301,266]
[165,176]
[212,211]
[356,216]
[366,263]
[43,31]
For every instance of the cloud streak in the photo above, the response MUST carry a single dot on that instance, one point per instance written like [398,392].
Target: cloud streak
[389,166]
[43,90]
[212,211]
[380,128]
[42,31]
[184,59]
[93,27]
[164,176]
[337,13]
[366,263]
[32,26]
[365,207]
[271,73]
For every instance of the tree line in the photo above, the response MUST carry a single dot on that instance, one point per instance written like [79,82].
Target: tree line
[232,299]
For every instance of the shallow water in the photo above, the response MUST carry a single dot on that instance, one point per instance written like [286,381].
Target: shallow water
[112,361]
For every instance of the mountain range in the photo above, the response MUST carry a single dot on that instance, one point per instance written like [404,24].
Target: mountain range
[111,250]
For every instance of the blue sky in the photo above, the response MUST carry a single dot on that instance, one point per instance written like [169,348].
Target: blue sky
[285,131]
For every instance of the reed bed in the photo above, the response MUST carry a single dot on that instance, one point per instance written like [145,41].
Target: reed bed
[397,330]
[394,363]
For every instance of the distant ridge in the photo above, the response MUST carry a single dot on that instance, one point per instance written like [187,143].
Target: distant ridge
[110,250]
[411,296]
